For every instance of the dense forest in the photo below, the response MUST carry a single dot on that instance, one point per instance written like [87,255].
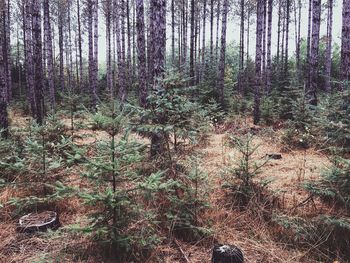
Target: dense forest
[175,131]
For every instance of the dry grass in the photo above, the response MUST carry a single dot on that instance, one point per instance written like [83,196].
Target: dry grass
[253,236]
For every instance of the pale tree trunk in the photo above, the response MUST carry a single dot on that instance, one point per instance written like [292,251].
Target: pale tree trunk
[217,30]
[221,73]
[204,30]
[192,28]
[258,55]
[128,43]
[122,63]
[108,8]
[279,31]
[172,31]
[308,45]
[37,60]
[80,48]
[345,43]
[298,39]
[60,44]
[141,53]
[91,47]
[268,55]
[316,21]
[328,65]
[264,26]
[95,70]
[287,40]
[241,50]
[28,52]
[49,58]
[248,33]
[3,87]
[211,29]
[7,47]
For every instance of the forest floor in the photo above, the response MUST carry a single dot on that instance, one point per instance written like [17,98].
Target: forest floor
[229,226]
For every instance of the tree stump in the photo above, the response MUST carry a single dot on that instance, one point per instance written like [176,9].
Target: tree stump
[35,222]
[227,254]
[274,156]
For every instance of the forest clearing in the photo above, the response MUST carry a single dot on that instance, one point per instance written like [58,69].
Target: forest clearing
[182,131]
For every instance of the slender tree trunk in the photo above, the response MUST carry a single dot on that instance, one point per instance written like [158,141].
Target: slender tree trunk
[192,42]
[221,74]
[141,47]
[217,30]
[49,58]
[248,33]
[7,47]
[211,29]
[37,60]
[95,55]
[316,20]
[308,45]
[109,48]
[3,88]
[269,32]
[128,43]
[279,31]
[287,40]
[91,48]
[80,48]
[264,26]
[345,43]
[241,50]
[298,42]
[60,44]
[28,39]
[122,63]
[172,31]
[258,56]
[203,38]
[328,65]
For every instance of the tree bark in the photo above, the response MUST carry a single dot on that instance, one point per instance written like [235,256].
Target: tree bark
[95,59]
[192,43]
[60,44]
[328,65]
[269,32]
[80,48]
[141,48]
[49,57]
[316,20]
[221,74]
[258,55]
[308,45]
[217,30]
[345,43]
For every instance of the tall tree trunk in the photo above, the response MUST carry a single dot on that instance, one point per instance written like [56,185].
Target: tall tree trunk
[258,56]
[204,30]
[269,31]
[28,53]
[90,12]
[316,20]
[217,30]
[345,43]
[49,58]
[122,63]
[308,45]
[3,101]
[211,29]
[128,43]
[221,73]
[248,33]
[287,40]
[241,50]
[172,31]
[279,31]
[37,60]
[158,43]
[298,40]
[328,65]
[192,42]
[7,50]
[95,59]
[60,44]
[141,48]
[80,48]
[108,8]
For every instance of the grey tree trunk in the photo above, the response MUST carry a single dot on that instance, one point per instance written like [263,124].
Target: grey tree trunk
[211,29]
[95,69]
[203,38]
[217,30]
[172,31]
[37,60]
[122,63]
[241,50]
[308,47]
[141,52]
[328,63]
[316,21]
[108,8]
[268,55]
[221,73]
[345,44]
[192,42]
[287,40]
[60,44]
[91,47]
[258,56]
[49,57]
[80,48]
[3,87]
[279,31]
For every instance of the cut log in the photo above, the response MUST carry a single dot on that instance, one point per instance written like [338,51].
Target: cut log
[35,222]
[275,156]
[227,254]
